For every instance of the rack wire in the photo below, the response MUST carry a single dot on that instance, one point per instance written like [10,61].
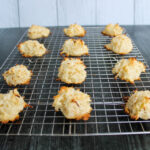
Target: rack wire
[108,116]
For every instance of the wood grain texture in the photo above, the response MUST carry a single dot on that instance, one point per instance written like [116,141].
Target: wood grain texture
[9,13]
[115,11]
[76,11]
[142,12]
[134,142]
[38,12]
[6,47]
[15,13]
[140,35]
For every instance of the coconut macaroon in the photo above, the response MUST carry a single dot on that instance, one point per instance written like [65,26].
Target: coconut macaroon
[112,30]
[36,32]
[17,75]
[74,104]
[32,48]
[120,44]
[75,30]
[128,69]
[72,71]
[73,47]
[11,104]
[138,105]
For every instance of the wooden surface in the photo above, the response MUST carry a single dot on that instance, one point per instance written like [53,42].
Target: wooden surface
[140,34]
[23,13]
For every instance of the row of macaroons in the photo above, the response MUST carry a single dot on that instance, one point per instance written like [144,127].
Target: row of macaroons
[120,44]
[138,104]
[75,107]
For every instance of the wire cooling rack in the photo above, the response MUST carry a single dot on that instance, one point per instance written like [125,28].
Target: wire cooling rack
[107,117]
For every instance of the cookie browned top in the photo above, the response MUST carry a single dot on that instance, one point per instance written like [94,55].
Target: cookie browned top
[138,105]
[31,48]
[72,71]
[112,30]
[11,104]
[129,69]
[17,75]
[36,32]
[73,47]
[74,104]
[120,44]
[75,30]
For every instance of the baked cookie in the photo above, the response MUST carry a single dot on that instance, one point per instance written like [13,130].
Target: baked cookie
[74,104]
[128,69]
[11,104]
[75,30]
[112,30]
[32,48]
[73,47]
[120,44]
[72,71]
[17,75]
[138,105]
[36,32]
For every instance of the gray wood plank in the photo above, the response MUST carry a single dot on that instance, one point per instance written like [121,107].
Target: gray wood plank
[134,142]
[38,12]
[9,13]
[140,35]
[8,39]
[78,11]
[142,12]
[115,11]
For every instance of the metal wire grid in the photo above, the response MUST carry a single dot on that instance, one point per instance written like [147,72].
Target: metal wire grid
[107,117]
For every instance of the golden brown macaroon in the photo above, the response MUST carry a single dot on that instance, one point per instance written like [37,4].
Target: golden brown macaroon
[72,71]
[17,75]
[128,69]
[75,30]
[36,32]
[73,47]
[112,30]
[138,105]
[32,48]
[74,104]
[11,104]
[120,44]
